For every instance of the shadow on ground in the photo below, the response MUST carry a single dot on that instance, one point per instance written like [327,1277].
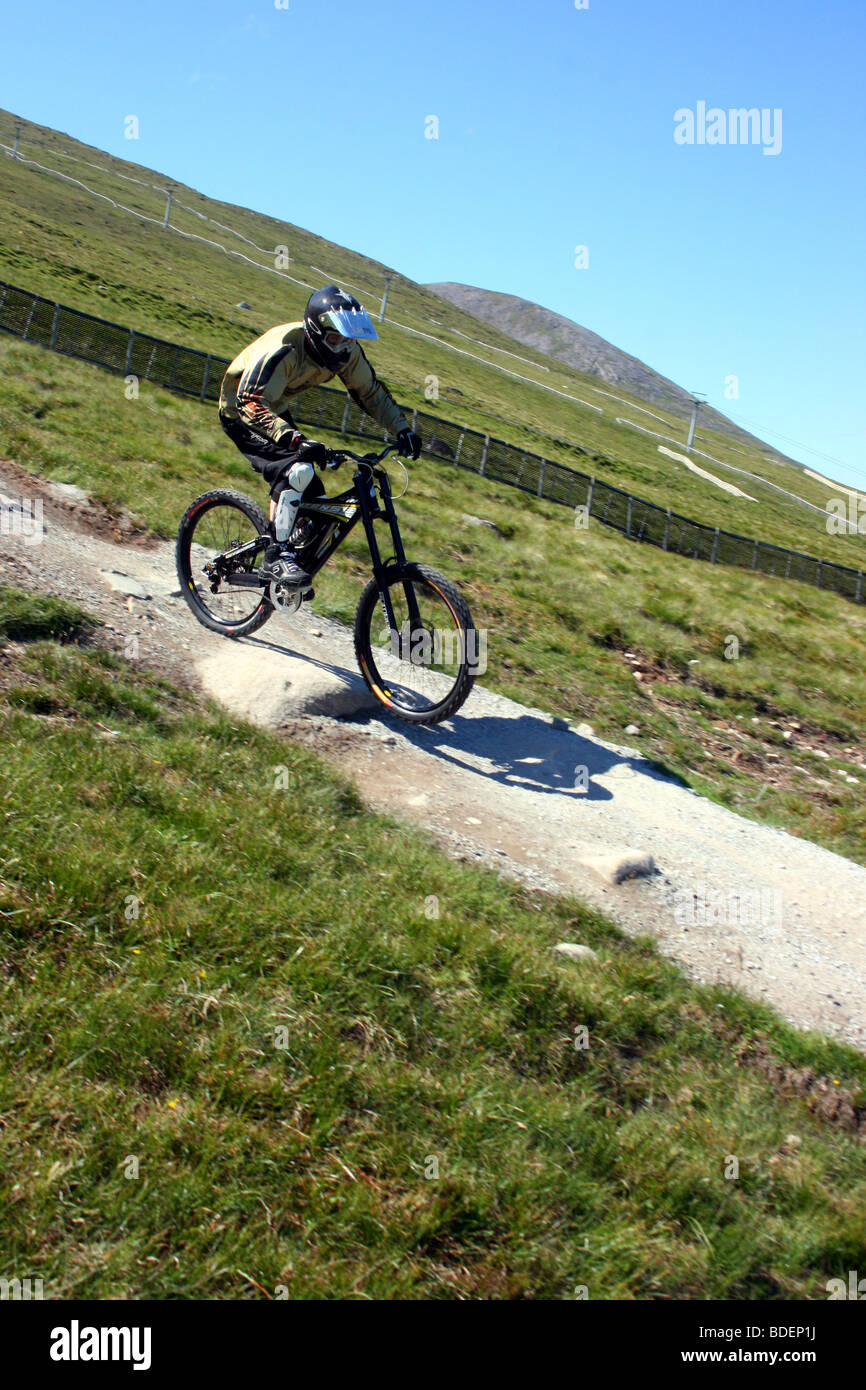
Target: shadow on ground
[525,750]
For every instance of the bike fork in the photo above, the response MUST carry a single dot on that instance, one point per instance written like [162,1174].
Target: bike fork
[390,515]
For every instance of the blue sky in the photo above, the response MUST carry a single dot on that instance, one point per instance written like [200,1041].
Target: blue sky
[556,130]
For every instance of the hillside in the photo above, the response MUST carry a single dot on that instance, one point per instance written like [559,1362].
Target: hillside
[296,1080]
[94,239]
[260,1041]
[557,336]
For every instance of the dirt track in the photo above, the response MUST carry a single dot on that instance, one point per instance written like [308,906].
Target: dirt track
[732,900]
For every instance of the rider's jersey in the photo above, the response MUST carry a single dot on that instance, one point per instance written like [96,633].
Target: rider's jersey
[261,381]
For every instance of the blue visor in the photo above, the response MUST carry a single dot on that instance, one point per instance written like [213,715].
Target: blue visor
[349,323]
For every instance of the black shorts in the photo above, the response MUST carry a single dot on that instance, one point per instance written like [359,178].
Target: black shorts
[270,459]
[265,456]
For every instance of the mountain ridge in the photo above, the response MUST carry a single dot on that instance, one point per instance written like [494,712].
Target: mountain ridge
[533,325]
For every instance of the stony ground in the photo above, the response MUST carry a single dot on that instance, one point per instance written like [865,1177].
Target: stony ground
[729,899]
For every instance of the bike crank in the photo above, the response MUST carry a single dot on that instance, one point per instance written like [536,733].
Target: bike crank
[285,597]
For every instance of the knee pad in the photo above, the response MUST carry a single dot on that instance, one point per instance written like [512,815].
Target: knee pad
[301,475]
[295,478]
[287,493]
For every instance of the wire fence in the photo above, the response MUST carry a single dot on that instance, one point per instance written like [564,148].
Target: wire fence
[198,374]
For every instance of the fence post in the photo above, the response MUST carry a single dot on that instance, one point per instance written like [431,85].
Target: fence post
[484,452]
[628,514]
[818,574]
[667,528]
[755,556]
[590,490]
[859,589]
[715,553]
[174,367]
[788,565]
[541,477]
[128,363]
[459,446]
[414,421]
[346,415]
[29,317]
[54,326]
[205,378]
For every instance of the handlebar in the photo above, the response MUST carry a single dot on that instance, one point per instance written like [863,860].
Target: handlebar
[339,456]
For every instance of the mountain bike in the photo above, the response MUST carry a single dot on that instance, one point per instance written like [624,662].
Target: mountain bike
[415,640]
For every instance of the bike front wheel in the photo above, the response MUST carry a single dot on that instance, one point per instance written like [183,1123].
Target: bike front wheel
[423,668]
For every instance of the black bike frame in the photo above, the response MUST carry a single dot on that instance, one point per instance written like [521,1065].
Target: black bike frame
[361,501]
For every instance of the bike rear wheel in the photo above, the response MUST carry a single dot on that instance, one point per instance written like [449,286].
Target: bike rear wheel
[420,672]
[213,527]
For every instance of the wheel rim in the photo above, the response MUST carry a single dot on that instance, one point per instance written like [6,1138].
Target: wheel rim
[216,529]
[416,669]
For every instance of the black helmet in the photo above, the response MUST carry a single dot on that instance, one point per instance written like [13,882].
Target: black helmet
[331,319]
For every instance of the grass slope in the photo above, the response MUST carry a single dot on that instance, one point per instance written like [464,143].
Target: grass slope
[254,1037]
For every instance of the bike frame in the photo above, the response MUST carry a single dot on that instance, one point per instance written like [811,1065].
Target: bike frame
[345,509]
[368,500]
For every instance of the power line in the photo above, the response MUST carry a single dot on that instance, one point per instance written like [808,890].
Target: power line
[806,448]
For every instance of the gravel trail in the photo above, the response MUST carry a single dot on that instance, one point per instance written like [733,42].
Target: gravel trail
[499,783]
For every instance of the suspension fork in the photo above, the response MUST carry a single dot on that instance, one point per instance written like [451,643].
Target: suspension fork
[388,511]
[399,553]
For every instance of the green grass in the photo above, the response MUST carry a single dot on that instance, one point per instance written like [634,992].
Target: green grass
[62,242]
[29,617]
[166,908]
[562,606]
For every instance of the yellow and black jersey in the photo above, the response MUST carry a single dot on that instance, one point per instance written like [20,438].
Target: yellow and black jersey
[261,382]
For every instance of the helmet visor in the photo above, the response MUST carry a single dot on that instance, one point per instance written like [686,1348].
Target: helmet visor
[349,323]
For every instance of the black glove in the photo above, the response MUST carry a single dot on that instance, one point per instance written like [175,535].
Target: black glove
[408,444]
[312,452]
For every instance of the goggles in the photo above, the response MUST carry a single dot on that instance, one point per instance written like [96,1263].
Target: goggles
[336,342]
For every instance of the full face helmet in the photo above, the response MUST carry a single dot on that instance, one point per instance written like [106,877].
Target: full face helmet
[333,319]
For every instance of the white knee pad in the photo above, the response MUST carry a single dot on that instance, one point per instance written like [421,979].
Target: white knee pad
[299,477]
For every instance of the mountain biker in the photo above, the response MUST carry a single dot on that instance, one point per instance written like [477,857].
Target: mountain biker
[254,408]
